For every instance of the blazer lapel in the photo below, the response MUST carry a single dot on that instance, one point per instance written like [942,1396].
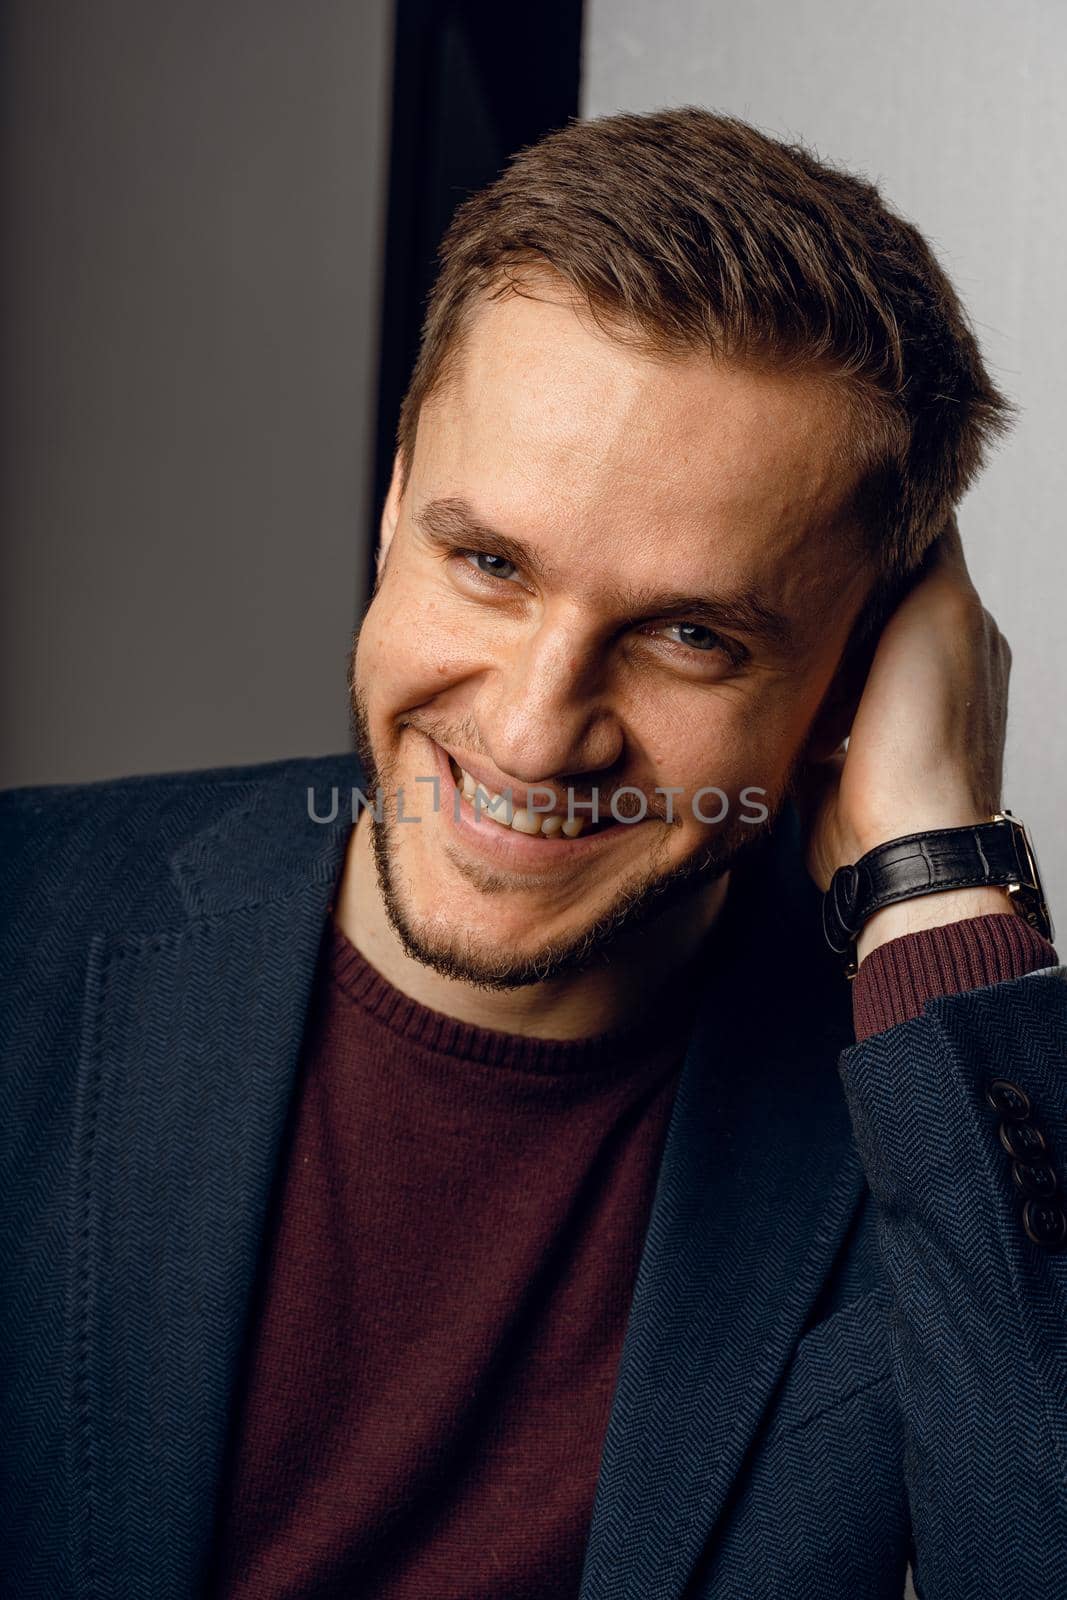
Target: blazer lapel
[190,1044]
[758,1183]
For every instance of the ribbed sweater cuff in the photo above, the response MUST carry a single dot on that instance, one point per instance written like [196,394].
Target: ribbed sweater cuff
[895,981]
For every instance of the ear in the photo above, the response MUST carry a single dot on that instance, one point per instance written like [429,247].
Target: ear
[390,515]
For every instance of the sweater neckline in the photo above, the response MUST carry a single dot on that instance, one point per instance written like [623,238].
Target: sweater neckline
[602,1053]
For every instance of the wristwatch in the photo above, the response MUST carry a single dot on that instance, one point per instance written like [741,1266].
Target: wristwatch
[998,852]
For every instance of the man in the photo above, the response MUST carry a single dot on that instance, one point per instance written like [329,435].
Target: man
[509,1194]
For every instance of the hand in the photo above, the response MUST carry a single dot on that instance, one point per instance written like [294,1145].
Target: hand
[926,744]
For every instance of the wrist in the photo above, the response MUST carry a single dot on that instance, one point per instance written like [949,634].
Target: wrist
[929,878]
[929,911]
[917,819]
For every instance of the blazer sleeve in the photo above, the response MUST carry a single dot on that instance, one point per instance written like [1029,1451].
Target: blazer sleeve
[973,1241]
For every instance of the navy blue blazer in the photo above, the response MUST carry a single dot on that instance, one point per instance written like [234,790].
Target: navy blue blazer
[843,1352]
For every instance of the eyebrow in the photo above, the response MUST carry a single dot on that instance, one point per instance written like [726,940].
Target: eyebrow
[448,522]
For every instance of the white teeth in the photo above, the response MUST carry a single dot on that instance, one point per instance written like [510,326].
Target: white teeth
[495,806]
[490,805]
[526,822]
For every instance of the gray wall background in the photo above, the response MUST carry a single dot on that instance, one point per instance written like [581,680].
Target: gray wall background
[193,212]
[955,107]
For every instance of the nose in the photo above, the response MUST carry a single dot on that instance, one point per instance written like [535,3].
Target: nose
[543,712]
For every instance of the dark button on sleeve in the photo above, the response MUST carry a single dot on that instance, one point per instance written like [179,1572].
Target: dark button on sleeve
[1034,1178]
[1009,1100]
[1022,1140]
[1045,1223]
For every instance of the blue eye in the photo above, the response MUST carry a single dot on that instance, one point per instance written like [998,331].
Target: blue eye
[695,634]
[493,564]
[694,638]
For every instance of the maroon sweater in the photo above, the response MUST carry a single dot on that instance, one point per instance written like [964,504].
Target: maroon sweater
[447,1277]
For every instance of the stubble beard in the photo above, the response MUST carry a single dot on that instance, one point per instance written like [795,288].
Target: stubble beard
[636,904]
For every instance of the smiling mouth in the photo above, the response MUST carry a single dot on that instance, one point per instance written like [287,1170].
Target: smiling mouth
[546,825]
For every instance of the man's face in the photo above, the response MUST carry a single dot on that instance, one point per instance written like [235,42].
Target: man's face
[606,570]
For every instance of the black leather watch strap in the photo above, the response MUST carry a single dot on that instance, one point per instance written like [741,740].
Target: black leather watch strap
[997,852]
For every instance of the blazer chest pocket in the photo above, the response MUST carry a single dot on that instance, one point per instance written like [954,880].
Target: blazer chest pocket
[840,1358]
[822,1508]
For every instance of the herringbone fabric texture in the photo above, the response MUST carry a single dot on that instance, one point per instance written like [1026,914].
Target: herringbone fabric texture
[843,1349]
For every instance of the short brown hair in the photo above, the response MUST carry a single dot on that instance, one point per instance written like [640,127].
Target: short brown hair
[683,230]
